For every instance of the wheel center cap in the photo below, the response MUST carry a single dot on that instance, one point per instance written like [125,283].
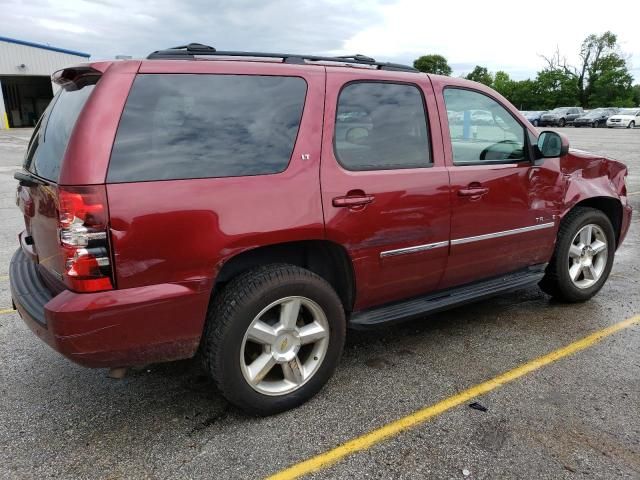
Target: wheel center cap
[286,347]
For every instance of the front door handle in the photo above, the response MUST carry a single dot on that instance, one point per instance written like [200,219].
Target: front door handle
[352,201]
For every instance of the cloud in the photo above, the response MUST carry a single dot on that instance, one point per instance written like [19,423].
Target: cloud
[109,27]
[501,35]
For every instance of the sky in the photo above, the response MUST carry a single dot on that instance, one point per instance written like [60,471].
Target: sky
[501,35]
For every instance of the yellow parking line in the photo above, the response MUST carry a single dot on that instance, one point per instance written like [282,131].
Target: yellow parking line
[7,310]
[633,194]
[4,277]
[394,428]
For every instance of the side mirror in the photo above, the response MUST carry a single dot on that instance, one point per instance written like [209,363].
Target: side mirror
[552,144]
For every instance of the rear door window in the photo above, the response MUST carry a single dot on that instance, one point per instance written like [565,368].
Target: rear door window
[51,135]
[381,126]
[179,126]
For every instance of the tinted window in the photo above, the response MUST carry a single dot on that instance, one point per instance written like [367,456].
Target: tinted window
[381,126]
[484,130]
[51,135]
[596,113]
[198,126]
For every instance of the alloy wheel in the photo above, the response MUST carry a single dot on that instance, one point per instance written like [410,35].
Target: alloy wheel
[284,345]
[587,256]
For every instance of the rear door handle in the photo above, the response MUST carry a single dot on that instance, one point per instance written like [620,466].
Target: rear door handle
[473,191]
[352,200]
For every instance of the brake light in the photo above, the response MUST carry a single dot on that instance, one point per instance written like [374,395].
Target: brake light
[82,229]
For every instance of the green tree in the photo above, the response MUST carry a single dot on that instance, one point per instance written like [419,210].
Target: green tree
[524,95]
[435,64]
[610,84]
[503,84]
[481,75]
[636,95]
[599,62]
[555,88]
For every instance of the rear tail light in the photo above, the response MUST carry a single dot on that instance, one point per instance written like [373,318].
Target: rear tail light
[82,227]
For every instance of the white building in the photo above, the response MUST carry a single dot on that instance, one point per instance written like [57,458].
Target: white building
[25,79]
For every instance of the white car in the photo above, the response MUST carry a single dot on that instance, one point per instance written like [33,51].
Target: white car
[626,117]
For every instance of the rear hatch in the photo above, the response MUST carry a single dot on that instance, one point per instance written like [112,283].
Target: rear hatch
[65,226]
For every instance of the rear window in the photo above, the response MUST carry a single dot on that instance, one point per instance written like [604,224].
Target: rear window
[51,135]
[198,126]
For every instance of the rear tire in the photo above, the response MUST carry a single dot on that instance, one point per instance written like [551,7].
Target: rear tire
[562,122]
[256,347]
[632,124]
[583,256]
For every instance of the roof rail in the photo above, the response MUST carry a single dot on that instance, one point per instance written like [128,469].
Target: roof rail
[190,51]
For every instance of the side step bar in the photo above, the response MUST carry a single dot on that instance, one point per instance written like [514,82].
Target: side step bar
[445,299]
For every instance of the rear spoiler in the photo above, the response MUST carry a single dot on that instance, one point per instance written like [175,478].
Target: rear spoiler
[74,78]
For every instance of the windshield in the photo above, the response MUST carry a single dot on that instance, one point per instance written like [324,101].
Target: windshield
[628,111]
[559,110]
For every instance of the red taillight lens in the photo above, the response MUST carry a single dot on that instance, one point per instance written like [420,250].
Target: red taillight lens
[82,226]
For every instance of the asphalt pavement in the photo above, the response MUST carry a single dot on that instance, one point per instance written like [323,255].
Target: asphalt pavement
[575,418]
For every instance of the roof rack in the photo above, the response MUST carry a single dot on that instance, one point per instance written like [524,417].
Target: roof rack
[185,52]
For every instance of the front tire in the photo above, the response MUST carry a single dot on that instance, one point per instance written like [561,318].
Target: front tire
[632,124]
[273,338]
[583,256]
[562,122]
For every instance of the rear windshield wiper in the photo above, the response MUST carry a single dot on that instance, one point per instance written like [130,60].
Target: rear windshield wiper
[28,179]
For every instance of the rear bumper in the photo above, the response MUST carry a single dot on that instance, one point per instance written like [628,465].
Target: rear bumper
[117,328]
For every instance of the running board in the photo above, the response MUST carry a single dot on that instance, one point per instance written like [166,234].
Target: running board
[445,299]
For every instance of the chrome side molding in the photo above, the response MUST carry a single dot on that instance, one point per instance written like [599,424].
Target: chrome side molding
[415,249]
[477,238]
[460,241]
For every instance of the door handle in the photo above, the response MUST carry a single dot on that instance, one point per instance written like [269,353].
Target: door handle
[352,201]
[473,191]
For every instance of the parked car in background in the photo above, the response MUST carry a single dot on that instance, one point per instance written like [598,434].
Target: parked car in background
[561,116]
[454,117]
[625,118]
[595,118]
[250,211]
[533,116]
[482,117]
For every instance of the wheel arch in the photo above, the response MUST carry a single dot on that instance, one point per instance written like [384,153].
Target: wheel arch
[610,206]
[325,258]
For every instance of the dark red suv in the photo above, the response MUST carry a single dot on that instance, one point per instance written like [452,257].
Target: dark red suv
[249,207]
